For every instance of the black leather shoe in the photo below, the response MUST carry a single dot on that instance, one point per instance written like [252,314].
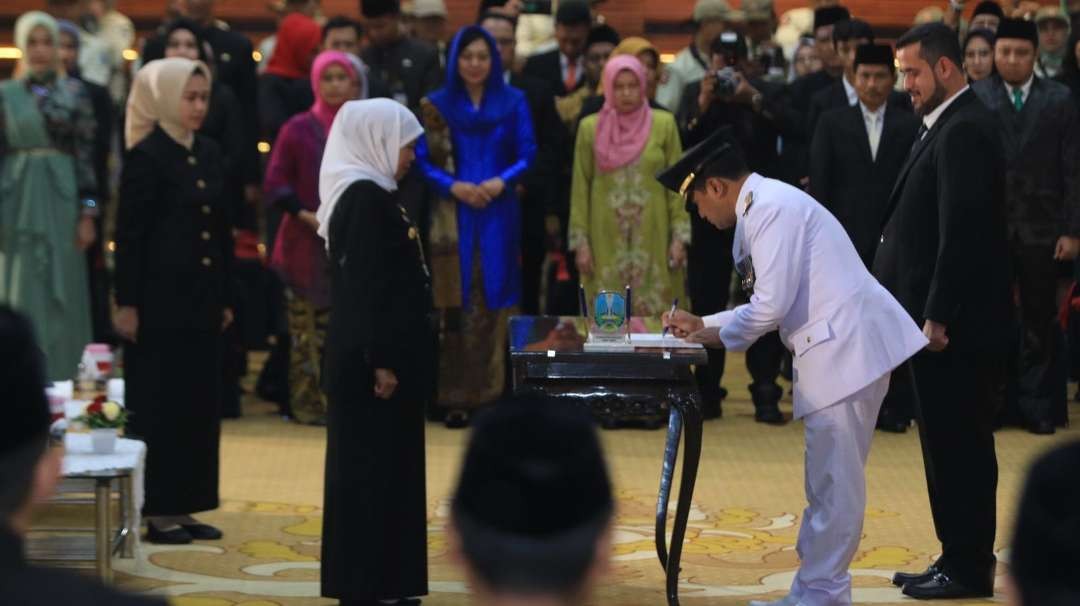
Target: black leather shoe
[941,587]
[175,536]
[892,426]
[1041,428]
[202,532]
[906,578]
[769,413]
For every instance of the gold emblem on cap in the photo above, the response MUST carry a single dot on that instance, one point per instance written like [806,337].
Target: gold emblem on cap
[686,183]
[412,233]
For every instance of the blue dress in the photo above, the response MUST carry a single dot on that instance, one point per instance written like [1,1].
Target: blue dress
[494,140]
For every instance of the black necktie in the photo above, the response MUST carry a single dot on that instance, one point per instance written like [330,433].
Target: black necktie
[922,132]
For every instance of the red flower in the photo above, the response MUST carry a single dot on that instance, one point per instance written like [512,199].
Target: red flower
[94,408]
[99,400]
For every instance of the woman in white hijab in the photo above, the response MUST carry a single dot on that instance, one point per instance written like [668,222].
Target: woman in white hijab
[173,257]
[378,373]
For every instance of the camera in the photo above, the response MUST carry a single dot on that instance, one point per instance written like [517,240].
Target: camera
[725,80]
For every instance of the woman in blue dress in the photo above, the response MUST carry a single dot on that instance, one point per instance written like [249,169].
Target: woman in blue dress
[478,142]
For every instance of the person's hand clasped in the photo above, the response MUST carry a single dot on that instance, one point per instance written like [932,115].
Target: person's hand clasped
[471,194]
[227,318]
[1067,249]
[493,187]
[126,322]
[935,332]
[583,260]
[677,255]
[682,323]
[85,233]
[385,383]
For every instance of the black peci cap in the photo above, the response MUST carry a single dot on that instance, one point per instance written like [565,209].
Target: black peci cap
[874,54]
[1019,29]
[573,12]
[988,7]
[602,33]
[379,8]
[830,15]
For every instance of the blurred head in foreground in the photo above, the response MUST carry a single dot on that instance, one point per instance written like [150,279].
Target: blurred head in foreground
[533,510]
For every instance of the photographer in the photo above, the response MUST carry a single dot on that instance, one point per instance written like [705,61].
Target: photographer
[728,97]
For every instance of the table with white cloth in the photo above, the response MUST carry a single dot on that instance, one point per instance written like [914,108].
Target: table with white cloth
[102,474]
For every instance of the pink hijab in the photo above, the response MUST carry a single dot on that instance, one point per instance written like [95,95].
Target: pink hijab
[324,112]
[620,138]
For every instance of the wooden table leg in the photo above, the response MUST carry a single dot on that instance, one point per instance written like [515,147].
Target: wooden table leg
[127,509]
[102,534]
[692,421]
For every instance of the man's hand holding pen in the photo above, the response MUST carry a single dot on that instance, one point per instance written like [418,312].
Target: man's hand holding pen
[686,325]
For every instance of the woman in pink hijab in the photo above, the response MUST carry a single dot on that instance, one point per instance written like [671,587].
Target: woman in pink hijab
[625,228]
[299,255]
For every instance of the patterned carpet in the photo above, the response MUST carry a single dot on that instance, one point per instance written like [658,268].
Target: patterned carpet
[740,545]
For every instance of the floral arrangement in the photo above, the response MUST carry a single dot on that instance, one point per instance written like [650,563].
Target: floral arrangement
[103,414]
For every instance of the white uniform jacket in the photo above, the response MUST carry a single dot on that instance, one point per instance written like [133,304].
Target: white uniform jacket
[844,329]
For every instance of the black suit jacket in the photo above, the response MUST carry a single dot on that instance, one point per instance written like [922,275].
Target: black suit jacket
[788,108]
[835,96]
[1042,151]
[547,67]
[552,143]
[846,179]
[408,68]
[943,252]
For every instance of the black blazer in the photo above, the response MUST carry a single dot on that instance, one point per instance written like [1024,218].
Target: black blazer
[552,140]
[548,68]
[407,67]
[381,290]
[1042,150]
[846,179]
[943,252]
[174,246]
[835,96]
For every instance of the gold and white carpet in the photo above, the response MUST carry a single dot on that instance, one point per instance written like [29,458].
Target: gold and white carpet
[740,544]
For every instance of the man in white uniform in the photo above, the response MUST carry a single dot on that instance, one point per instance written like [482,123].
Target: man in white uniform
[846,332]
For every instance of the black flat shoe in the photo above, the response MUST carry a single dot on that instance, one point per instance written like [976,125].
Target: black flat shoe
[175,536]
[906,578]
[941,587]
[769,413]
[202,532]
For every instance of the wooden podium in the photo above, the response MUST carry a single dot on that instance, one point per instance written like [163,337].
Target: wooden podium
[548,356]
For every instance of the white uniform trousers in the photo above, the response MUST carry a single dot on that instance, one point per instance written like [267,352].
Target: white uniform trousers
[837,446]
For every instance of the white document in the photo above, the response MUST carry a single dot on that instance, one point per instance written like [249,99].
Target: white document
[656,340]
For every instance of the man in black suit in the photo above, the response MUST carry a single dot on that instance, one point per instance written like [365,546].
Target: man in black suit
[847,37]
[792,106]
[857,151]
[563,69]
[408,68]
[710,263]
[1041,136]
[855,157]
[537,188]
[944,256]
[29,470]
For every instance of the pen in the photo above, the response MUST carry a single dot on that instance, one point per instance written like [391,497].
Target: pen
[671,313]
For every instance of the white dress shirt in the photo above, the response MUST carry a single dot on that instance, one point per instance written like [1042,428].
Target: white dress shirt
[1025,89]
[579,67]
[875,123]
[849,90]
[929,120]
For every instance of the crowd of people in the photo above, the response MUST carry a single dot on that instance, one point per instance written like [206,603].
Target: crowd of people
[413,192]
